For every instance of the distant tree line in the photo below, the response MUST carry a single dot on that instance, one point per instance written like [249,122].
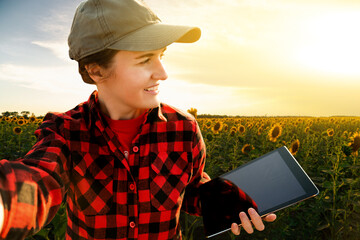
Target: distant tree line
[24,114]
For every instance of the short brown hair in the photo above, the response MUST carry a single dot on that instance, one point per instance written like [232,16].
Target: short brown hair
[103,59]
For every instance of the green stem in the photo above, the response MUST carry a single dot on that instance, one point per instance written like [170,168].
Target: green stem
[19,146]
[333,212]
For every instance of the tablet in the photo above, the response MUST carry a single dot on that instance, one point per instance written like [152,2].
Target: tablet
[269,183]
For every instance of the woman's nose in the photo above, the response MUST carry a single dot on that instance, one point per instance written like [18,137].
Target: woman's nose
[159,72]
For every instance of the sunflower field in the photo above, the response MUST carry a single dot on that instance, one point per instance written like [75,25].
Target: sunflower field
[326,147]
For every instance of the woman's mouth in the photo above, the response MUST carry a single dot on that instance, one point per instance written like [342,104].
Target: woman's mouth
[152,90]
[155,88]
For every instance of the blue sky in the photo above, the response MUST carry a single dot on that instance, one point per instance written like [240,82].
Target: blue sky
[23,22]
[34,77]
[255,57]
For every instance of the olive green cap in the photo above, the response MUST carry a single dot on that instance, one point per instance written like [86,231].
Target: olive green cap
[122,25]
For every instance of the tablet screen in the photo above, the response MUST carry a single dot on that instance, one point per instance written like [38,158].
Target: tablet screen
[268,183]
[276,185]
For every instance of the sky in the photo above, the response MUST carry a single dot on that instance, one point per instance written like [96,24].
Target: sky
[254,58]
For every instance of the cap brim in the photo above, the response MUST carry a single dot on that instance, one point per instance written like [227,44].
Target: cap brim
[157,36]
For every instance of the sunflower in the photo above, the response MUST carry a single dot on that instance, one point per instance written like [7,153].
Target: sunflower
[247,148]
[21,122]
[294,148]
[217,127]
[307,129]
[233,131]
[209,137]
[40,119]
[17,130]
[330,132]
[275,132]
[32,119]
[33,139]
[193,111]
[208,124]
[355,142]
[242,129]
[225,127]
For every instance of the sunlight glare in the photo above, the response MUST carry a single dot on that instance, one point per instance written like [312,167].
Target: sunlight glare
[331,44]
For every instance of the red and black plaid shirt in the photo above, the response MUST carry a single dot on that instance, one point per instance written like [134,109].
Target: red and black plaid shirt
[108,196]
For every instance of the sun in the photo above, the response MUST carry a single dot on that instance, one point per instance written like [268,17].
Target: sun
[330,43]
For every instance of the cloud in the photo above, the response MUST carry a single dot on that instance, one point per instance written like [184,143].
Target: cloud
[62,79]
[57,22]
[55,28]
[58,48]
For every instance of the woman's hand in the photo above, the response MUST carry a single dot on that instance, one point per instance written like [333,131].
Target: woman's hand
[1,214]
[256,221]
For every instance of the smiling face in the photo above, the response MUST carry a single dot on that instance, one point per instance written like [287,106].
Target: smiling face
[130,85]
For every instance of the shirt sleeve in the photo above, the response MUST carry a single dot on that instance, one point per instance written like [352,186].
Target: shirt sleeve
[199,177]
[33,187]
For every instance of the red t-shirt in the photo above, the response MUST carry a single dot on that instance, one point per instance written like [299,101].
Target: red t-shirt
[126,130]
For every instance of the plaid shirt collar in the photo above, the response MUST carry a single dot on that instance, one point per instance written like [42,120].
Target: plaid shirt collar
[96,119]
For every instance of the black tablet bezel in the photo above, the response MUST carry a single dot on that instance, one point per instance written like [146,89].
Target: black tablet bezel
[297,171]
[303,179]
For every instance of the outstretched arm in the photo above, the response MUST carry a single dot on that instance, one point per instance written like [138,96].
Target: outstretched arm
[32,188]
[1,214]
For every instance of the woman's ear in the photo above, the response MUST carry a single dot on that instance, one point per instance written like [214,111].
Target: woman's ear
[95,72]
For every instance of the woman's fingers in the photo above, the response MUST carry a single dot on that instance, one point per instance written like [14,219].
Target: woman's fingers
[270,218]
[235,228]
[256,219]
[245,223]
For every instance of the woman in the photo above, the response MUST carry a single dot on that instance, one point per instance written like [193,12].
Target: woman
[125,162]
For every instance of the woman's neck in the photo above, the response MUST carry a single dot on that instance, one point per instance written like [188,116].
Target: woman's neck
[111,108]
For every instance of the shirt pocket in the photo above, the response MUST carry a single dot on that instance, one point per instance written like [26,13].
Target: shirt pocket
[169,175]
[93,184]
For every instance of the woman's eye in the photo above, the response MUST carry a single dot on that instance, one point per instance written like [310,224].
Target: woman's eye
[149,59]
[146,61]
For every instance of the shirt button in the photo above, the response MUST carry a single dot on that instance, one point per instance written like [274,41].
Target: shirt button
[132,187]
[135,149]
[132,224]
